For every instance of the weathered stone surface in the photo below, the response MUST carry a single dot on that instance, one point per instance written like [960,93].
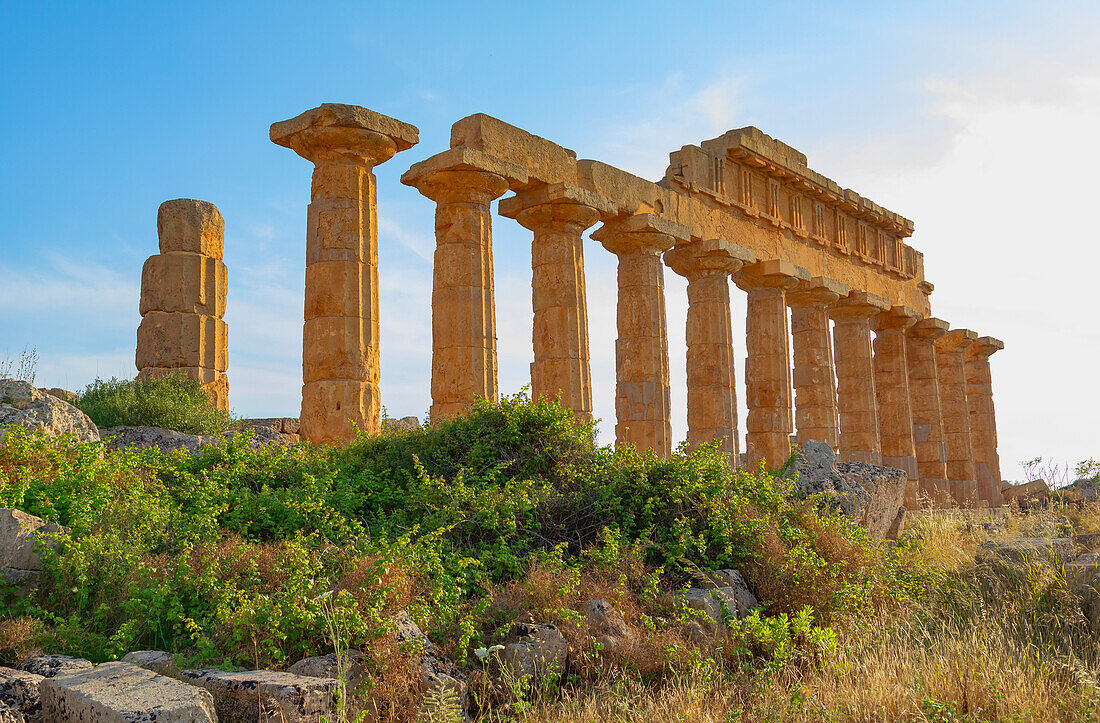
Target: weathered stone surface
[123,693]
[405,424]
[983,423]
[1089,541]
[275,431]
[1033,490]
[860,440]
[895,416]
[924,393]
[183,293]
[22,404]
[711,388]
[158,661]
[534,648]
[63,394]
[49,666]
[768,363]
[1082,570]
[23,538]
[606,624]
[166,440]
[1028,550]
[1084,489]
[328,666]
[435,670]
[265,695]
[340,343]
[734,587]
[813,374]
[870,493]
[19,690]
[951,370]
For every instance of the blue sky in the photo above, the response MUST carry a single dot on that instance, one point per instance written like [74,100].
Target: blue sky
[975,119]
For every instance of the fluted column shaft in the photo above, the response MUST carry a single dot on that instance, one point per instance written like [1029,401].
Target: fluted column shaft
[711,395]
[950,349]
[983,423]
[642,403]
[924,392]
[856,402]
[464,340]
[340,350]
[892,395]
[559,332]
[813,376]
[767,364]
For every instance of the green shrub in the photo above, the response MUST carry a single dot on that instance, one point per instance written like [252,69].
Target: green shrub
[172,401]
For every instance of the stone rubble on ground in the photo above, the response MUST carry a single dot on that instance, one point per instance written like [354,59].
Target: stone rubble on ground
[1026,491]
[23,538]
[22,404]
[872,494]
[327,666]
[266,696]
[435,670]
[120,693]
[533,648]
[606,624]
[166,440]
[158,661]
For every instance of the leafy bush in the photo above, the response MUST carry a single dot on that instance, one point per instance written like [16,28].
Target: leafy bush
[172,401]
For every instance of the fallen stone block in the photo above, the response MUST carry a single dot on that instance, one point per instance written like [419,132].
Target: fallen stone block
[50,666]
[265,695]
[1089,541]
[1027,550]
[22,404]
[121,693]
[23,539]
[10,715]
[19,691]
[1081,571]
[535,648]
[1035,489]
[735,590]
[158,661]
[327,666]
[606,624]
[166,440]
[436,671]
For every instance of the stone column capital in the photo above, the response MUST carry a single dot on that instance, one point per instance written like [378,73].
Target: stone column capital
[645,233]
[337,133]
[818,290]
[563,194]
[556,216]
[930,329]
[956,340]
[896,319]
[858,305]
[983,348]
[771,274]
[704,257]
[464,174]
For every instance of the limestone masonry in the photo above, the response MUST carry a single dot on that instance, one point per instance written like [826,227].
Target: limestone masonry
[829,280]
[183,299]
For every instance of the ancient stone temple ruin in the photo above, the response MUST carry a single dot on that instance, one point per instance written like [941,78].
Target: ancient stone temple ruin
[829,280]
[183,299]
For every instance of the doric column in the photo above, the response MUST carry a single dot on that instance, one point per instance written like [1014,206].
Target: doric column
[983,423]
[950,369]
[183,299]
[924,393]
[711,391]
[642,406]
[768,361]
[558,215]
[895,413]
[855,376]
[463,183]
[813,376]
[340,370]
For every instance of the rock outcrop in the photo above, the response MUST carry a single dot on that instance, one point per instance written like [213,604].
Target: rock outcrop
[19,691]
[22,404]
[281,431]
[328,666]
[22,539]
[118,692]
[873,494]
[51,666]
[534,648]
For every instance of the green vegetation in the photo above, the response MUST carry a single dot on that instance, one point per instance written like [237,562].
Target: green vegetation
[172,401]
[257,558]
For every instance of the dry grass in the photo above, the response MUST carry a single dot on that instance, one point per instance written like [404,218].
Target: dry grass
[982,647]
